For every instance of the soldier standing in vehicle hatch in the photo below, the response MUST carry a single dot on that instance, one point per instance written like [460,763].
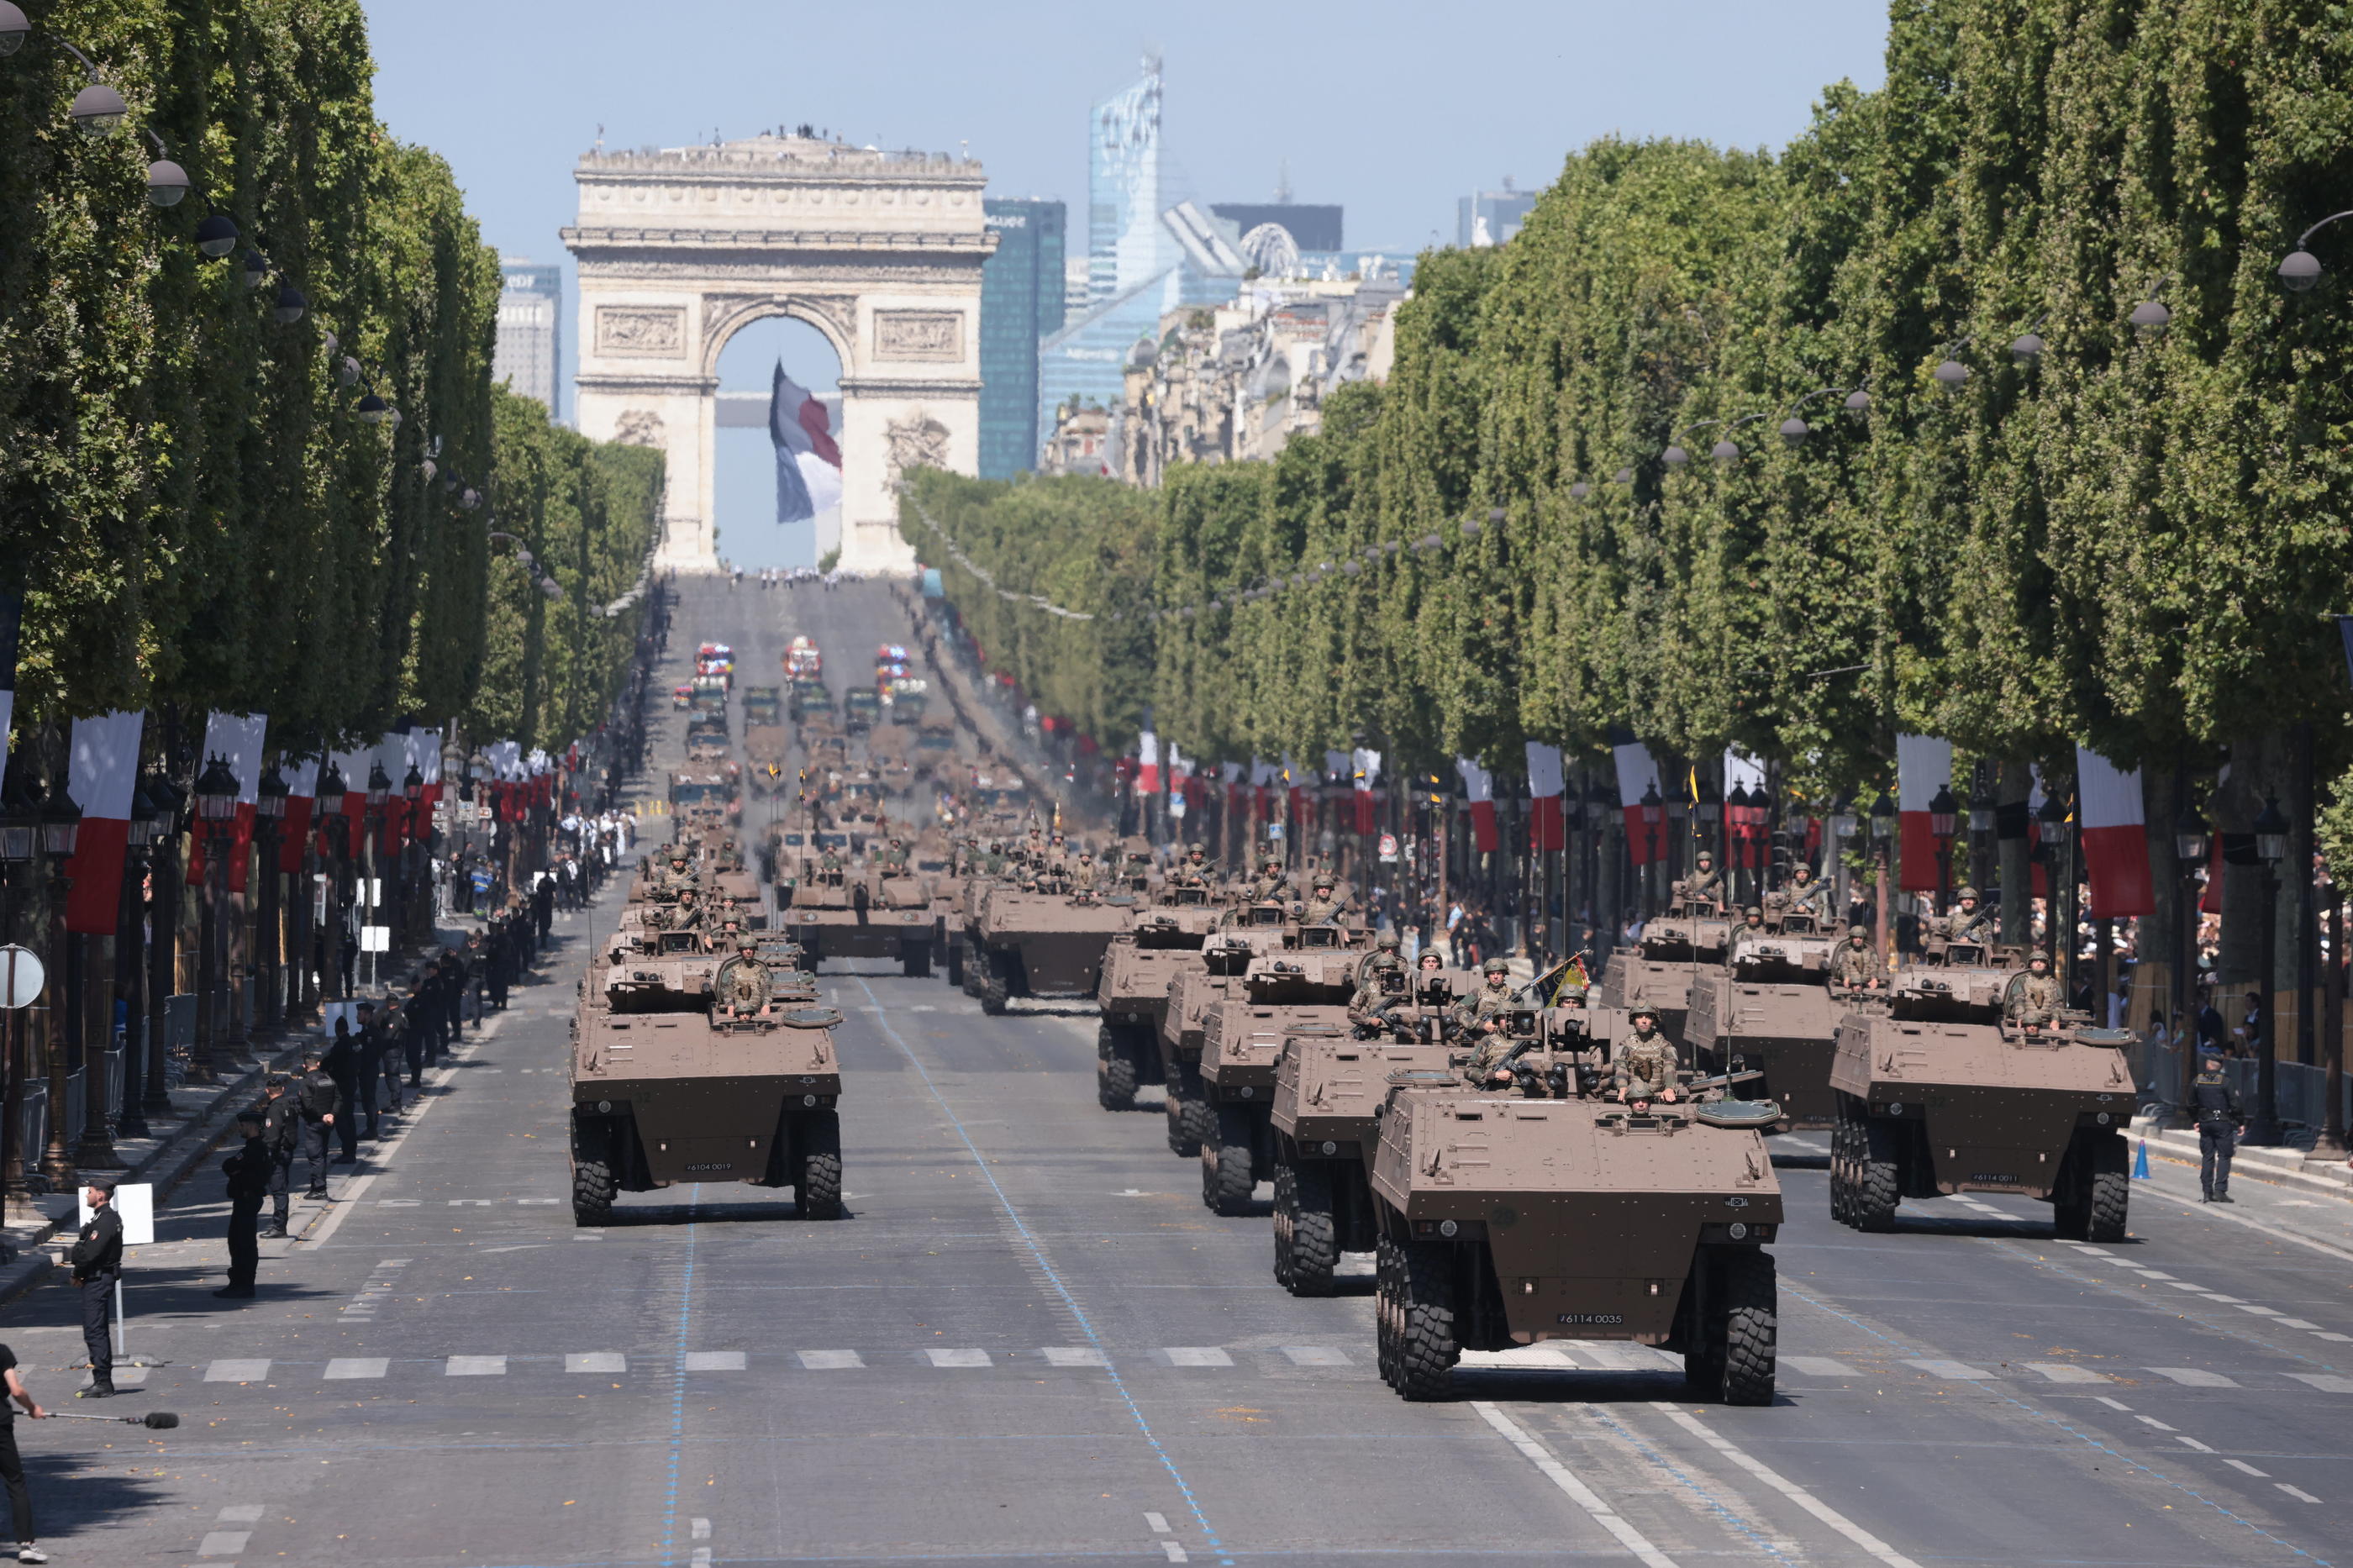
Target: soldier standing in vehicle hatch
[1857,965]
[1324,908]
[1642,1067]
[1479,1012]
[1705,882]
[1373,998]
[1271,881]
[1803,895]
[1968,920]
[2035,999]
[741,986]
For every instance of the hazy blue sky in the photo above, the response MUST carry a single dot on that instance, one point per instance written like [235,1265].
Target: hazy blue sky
[1391,108]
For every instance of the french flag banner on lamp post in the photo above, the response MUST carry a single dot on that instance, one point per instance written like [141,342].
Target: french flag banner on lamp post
[2115,842]
[301,790]
[1481,787]
[1367,765]
[236,739]
[1544,788]
[1638,775]
[1924,764]
[1147,763]
[102,779]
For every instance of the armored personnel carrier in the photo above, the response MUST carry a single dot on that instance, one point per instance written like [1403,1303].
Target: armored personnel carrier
[1298,989]
[1552,1210]
[1770,1008]
[1675,949]
[1044,945]
[1243,931]
[665,1088]
[1137,971]
[1938,1093]
[861,912]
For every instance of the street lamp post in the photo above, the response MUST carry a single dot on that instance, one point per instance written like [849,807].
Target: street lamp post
[1883,848]
[2192,838]
[2271,847]
[379,791]
[1944,825]
[216,822]
[163,941]
[128,970]
[269,823]
[2061,862]
[412,790]
[1654,816]
[60,826]
[336,825]
[19,832]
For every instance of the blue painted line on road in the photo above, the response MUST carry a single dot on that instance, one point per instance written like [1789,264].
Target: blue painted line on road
[2089,1439]
[1045,1266]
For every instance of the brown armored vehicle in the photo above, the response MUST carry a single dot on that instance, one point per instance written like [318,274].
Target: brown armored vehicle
[665,1088]
[1298,990]
[1675,950]
[1137,970]
[1938,1093]
[861,912]
[1243,932]
[1770,1008]
[1552,1211]
[1044,945]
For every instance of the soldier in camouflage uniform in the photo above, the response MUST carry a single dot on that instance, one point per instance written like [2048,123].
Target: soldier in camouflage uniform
[1857,965]
[2034,998]
[687,913]
[1642,1067]
[1968,920]
[1481,1013]
[1705,882]
[1373,998]
[894,858]
[1324,908]
[1387,942]
[741,987]
[1803,895]
[1271,881]
[1084,876]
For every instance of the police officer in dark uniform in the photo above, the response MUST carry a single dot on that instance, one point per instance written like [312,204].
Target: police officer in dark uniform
[248,1171]
[2215,1105]
[281,1133]
[391,1049]
[315,1098]
[342,1064]
[97,1264]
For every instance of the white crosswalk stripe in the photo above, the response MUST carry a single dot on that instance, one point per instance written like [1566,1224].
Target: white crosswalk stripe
[1072,1355]
[1816,1366]
[958,1358]
[2327,1383]
[1196,1355]
[1960,1371]
[237,1371]
[2066,1371]
[475,1366]
[357,1366]
[831,1360]
[596,1361]
[2193,1377]
[711,1361]
[1315,1355]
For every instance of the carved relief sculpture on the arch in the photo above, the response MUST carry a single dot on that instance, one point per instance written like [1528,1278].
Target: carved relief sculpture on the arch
[882,252]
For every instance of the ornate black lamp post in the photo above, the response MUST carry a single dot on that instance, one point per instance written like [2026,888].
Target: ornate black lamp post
[2271,847]
[61,826]
[217,822]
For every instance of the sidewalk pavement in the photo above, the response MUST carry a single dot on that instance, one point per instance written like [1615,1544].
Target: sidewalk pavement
[2285,1166]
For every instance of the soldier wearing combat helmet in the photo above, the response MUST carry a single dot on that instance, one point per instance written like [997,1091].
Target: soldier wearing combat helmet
[2033,1001]
[1376,988]
[1705,882]
[1857,965]
[1324,908]
[1642,1067]
[1482,1011]
[1968,920]
[1387,942]
[740,989]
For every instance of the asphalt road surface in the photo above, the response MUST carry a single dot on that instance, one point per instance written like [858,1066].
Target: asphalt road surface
[1028,1342]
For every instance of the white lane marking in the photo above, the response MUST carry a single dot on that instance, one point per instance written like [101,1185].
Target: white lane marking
[699,1528]
[2209,1212]
[2195,1377]
[1315,1355]
[1584,1497]
[698,1558]
[1790,1489]
[1196,1355]
[829,1361]
[2242,1465]
[397,1202]
[1960,1371]
[711,1361]
[2151,1273]
[2153,1421]
[223,1543]
[1072,1356]
[2112,1404]
[2326,1382]
[241,1514]
[436,1078]
[596,1361]
[470,1202]
[357,1366]
[2188,1442]
[475,1366]
[235,1370]
[2251,1306]
[2297,1324]
[2066,1371]
[2229,1300]
[1816,1366]
[1619,1355]
[1156,1523]
[2340,1339]
[2296,1492]
[1176,1552]
[958,1358]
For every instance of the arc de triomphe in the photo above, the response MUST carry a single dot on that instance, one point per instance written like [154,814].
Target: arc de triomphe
[882,252]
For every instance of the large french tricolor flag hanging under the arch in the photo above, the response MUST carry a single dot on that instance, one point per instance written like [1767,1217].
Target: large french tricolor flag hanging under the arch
[102,779]
[808,464]
[2115,843]
[1924,764]
[1637,774]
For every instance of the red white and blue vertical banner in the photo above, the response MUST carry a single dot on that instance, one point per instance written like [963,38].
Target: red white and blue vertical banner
[1638,775]
[424,754]
[1147,765]
[12,616]
[1480,785]
[1367,772]
[1745,824]
[236,738]
[1924,764]
[1262,777]
[301,793]
[2115,841]
[1180,780]
[391,751]
[1544,785]
[808,464]
[1295,784]
[101,778]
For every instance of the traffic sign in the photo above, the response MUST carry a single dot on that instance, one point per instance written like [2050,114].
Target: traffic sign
[21,976]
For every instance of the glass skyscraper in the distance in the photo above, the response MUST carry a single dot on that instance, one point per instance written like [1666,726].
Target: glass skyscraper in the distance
[1021,301]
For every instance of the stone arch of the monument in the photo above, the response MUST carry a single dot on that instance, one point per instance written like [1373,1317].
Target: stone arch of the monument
[879,252]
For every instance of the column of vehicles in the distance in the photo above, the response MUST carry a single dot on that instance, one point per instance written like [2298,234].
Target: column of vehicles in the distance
[1568,1157]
